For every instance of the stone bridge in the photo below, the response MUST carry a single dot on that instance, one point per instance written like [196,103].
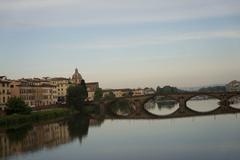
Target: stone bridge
[140,112]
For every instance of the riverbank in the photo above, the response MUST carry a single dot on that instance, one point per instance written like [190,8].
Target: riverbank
[16,120]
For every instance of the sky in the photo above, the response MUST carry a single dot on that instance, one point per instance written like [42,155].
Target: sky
[122,43]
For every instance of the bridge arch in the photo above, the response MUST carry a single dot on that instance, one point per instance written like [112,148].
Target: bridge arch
[137,104]
[161,105]
[203,103]
[234,101]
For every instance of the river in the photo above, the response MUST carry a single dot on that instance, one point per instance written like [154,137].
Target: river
[203,137]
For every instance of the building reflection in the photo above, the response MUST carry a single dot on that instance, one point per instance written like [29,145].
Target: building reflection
[49,135]
[23,140]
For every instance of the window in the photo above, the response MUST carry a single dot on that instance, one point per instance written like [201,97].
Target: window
[4,101]
[3,91]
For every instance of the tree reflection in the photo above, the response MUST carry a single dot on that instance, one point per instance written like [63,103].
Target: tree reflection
[166,104]
[161,103]
[78,126]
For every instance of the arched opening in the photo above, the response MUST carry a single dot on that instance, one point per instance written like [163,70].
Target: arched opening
[121,108]
[161,106]
[235,102]
[203,103]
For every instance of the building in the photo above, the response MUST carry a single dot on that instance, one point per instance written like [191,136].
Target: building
[76,78]
[117,92]
[148,91]
[91,86]
[233,86]
[61,88]
[4,91]
[137,92]
[91,89]
[62,85]
[34,92]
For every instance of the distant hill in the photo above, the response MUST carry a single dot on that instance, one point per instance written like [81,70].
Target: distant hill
[197,88]
[213,89]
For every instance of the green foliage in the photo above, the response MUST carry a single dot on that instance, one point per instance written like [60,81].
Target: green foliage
[98,94]
[89,109]
[16,105]
[110,96]
[19,119]
[213,89]
[168,90]
[76,95]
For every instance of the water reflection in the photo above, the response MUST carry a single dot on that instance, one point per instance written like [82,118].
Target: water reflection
[161,106]
[235,102]
[203,103]
[209,137]
[121,108]
[28,139]
[37,137]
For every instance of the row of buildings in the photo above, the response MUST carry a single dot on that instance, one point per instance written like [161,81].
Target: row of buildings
[37,92]
[128,92]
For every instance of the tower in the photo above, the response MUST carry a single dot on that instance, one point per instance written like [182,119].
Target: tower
[76,78]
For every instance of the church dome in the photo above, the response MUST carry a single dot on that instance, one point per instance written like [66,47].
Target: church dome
[76,77]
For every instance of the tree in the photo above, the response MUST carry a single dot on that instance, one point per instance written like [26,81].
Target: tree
[168,90]
[76,95]
[84,89]
[98,94]
[213,89]
[17,105]
[110,96]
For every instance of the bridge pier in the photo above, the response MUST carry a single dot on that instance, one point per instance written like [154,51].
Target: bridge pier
[102,109]
[224,102]
[137,107]
[182,104]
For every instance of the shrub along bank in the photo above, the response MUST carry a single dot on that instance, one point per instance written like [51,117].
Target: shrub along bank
[21,119]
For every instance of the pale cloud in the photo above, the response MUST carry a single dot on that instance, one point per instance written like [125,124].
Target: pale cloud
[146,40]
[71,13]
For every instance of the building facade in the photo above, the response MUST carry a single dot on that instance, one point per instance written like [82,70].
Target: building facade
[77,77]
[148,91]
[91,86]
[233,86]
[61,88]
[117,92]
[34,92]
[138,92]
[4,91]
[91,89]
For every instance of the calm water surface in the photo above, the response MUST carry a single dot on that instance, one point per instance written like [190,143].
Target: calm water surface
[207,137]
